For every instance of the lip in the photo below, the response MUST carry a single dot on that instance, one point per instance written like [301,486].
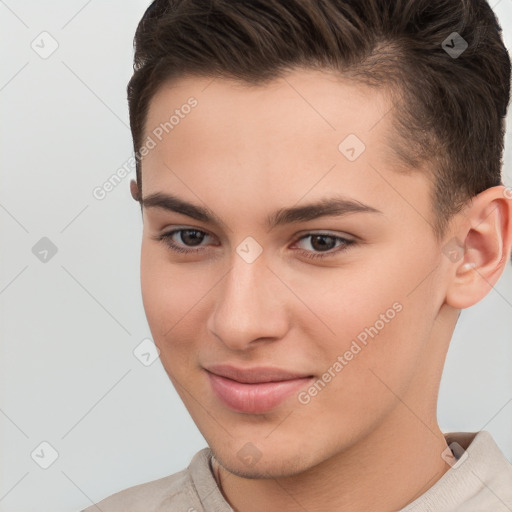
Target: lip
[254,390]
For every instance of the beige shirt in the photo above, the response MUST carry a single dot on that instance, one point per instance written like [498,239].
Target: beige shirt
[480,480]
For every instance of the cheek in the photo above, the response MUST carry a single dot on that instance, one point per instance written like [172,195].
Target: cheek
[369,362]
[174,297]
[375,317]
[165,292]
[155,288]
[338,304]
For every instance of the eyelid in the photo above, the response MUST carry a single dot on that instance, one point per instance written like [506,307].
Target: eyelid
[169,234]
[178,228]
[326,232]
[347,242]
[298,236]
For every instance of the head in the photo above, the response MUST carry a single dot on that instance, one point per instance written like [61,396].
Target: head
[255,117]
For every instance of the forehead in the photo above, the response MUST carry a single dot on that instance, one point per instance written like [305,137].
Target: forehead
[320,99]
[294,130]
[294,113]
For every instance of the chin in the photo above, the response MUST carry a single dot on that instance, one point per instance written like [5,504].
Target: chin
[275,465]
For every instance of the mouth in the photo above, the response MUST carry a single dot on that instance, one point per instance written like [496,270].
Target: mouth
[254,390]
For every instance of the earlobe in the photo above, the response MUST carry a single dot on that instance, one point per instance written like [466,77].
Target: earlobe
[486,229]
[134,189]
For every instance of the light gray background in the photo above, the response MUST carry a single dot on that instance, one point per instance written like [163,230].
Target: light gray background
[69,326]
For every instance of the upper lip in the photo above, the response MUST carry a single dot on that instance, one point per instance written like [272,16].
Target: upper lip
[256,374]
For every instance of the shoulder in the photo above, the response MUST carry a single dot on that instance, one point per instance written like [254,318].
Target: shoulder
[480,477]
[173,492]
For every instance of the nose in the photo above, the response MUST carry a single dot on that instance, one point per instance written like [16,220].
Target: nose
[249,306]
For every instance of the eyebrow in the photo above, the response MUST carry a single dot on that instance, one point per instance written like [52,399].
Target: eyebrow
[337,206]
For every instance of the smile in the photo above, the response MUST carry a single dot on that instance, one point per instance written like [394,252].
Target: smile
[254,391]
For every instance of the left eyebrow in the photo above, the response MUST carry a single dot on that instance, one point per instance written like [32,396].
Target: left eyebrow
[335,207]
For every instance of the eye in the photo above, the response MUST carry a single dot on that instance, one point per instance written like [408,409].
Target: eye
[191,242]
[192,236]
[324,242]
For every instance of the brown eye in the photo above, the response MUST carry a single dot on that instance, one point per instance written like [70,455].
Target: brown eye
[324,245]
[191,236]
[322,242]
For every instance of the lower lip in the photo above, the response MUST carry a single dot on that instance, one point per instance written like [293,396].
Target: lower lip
[254,398]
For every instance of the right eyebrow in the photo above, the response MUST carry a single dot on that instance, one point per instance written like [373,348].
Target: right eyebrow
[172,203]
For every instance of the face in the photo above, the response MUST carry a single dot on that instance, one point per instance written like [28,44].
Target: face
[284,332]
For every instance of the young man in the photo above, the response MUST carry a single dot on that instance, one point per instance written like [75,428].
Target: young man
[321,193]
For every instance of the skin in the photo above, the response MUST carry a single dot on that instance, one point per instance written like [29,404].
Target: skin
[245,152]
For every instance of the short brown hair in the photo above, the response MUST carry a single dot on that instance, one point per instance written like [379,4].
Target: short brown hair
[449,110]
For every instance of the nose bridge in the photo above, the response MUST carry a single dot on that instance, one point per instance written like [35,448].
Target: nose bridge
[246,306]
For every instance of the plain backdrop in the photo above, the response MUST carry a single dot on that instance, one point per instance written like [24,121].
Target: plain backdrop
[71,308]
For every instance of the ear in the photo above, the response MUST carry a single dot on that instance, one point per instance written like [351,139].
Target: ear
[485,233]
[134,189]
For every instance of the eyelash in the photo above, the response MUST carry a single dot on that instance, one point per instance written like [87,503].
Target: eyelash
[166,239]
